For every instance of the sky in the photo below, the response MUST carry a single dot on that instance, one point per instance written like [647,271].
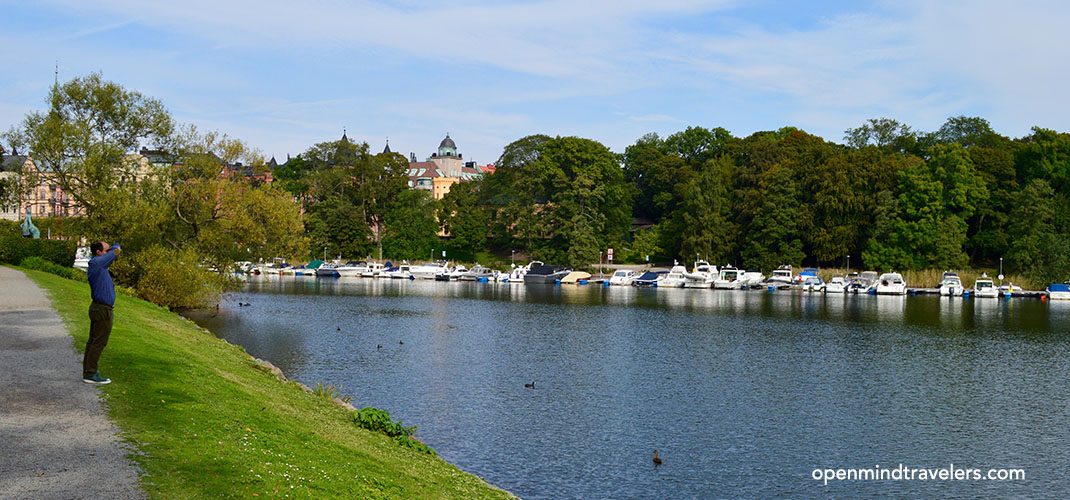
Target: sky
[283,75]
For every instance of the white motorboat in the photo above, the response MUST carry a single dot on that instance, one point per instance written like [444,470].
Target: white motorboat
[891,284]
[476,273]
[403,272]
[951,285]
[674,279]
[752,278]
[837,285]
[983,287]
[428,271]
[813,284]
[327,270]
[701,275]
[374,270]
[781,277]
[1059,291]
[351,269]
[729,278]
[622,277]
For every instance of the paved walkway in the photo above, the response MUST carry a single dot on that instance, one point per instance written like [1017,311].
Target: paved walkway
[55,438]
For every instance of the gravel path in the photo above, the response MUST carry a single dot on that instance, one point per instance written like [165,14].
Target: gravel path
[55,439]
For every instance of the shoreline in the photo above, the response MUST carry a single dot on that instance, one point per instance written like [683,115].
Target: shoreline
[206,419]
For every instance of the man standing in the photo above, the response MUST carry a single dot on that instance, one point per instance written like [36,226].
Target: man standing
[103,292]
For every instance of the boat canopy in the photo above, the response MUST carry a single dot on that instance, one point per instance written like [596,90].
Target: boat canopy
[1059,287]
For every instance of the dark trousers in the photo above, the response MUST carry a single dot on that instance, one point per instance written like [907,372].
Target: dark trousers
[99,330]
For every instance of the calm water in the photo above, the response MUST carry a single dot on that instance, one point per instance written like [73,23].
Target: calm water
[744,394]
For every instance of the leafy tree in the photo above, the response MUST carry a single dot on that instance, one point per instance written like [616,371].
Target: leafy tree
[463,218]
[702,221]
[884,133]
[885,250]
[773,237]
[81,142]
[336,225]
[411,229]
[969,132]
[1039,249]
[538,200]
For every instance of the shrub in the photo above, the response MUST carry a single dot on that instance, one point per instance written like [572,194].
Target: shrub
[175,278]
[376,420]
[14,248]
[39,264]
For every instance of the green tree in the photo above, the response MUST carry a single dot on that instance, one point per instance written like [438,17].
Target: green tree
[464,218]
[886,250]
[773,237]
[702,221]
[82,141]
[1039,249]
[884,133]
[410,230]
[336,225]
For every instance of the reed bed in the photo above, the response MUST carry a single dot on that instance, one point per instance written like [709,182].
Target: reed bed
[930,278]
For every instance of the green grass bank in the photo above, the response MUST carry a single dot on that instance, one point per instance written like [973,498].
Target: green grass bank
[207,421]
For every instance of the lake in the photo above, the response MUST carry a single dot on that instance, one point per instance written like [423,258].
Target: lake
[743,393]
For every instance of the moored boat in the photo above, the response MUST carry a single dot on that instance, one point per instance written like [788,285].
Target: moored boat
[836,285]
[701,275]
[752,278]
[813,283]
[327,270]
[729,278]
[781,277]
[674,278]
[477,272]
[647,279]
[984,287]
[622,277]
[428,271]
[576,277]
[891,284]
[351,269]
[1059,291]
[545,274]
[516,274]
[951,285]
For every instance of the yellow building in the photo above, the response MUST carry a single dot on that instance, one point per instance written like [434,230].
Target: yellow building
[443,169]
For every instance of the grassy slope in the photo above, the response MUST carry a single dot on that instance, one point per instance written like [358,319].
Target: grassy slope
[208,422]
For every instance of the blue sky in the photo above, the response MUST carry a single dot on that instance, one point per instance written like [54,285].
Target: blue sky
[283,75]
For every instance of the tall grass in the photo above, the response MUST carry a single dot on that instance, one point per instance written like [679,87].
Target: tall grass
[930,278]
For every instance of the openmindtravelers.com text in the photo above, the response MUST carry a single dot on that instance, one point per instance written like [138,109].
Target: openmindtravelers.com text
[904,473]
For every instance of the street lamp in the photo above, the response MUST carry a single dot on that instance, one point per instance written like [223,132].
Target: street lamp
[325,254]
[511,264]
[848,263]
[1000,271]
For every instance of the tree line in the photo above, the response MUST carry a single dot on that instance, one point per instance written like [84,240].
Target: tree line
[891,197]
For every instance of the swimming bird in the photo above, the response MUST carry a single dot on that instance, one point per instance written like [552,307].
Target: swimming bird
[339,329]
[380,346]
[657,461]
[531,385]
[400,342]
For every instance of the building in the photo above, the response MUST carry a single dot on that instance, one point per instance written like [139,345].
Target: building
[10,167]
[443,169]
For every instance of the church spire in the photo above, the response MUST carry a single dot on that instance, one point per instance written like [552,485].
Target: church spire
[387,148]
[344,138]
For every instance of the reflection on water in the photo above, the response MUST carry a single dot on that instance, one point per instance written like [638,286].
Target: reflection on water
[743,392]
